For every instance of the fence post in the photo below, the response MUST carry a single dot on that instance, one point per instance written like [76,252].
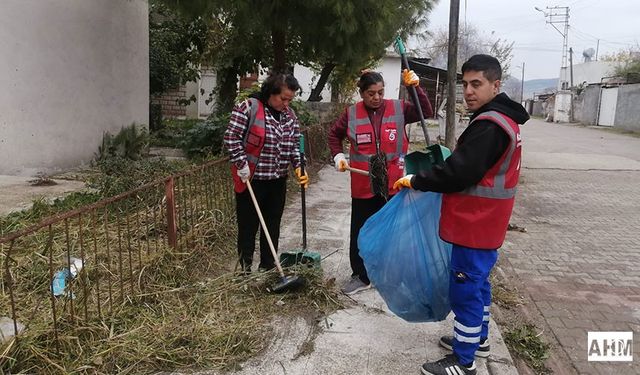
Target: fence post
[171,212]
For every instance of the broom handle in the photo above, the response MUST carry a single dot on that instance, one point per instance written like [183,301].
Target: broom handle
[265,230]
[356,170]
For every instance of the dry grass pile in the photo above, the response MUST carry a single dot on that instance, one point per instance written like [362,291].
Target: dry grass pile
[184,310]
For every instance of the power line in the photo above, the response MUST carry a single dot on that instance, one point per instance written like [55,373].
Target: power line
[559,15]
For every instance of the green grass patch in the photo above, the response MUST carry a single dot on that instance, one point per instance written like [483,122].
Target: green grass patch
[527,343]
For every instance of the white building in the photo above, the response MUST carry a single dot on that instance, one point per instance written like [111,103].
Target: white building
[70,70]
[389,67]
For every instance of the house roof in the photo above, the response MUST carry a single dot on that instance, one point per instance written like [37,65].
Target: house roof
[427,72]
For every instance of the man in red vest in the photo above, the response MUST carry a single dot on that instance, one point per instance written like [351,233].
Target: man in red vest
[479,182]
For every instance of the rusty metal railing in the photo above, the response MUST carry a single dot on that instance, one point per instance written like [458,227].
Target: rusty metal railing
[85,262]
[99,251]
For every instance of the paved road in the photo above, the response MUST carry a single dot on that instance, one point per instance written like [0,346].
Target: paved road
[579,261]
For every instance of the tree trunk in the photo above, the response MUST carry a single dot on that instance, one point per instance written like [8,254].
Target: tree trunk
[278,41]
[322,81]
[227,88]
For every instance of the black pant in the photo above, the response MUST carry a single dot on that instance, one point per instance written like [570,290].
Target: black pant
[270,195]
[361,210]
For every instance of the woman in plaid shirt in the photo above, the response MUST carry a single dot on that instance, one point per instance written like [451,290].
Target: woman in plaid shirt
[263,139]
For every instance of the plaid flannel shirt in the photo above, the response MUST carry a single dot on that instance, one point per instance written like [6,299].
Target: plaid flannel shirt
[280,146]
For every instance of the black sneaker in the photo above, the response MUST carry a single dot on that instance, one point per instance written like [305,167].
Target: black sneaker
[448,365]
[483,350]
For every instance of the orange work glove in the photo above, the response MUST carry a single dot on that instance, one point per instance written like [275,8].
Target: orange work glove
[410,78]
[404,182]
[303,179]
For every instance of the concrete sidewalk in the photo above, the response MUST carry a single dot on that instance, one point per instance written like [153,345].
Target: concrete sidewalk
[365,337]
[16,193]
[578,263]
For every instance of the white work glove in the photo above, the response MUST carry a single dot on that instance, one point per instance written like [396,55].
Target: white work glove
[340,162]
[244,173]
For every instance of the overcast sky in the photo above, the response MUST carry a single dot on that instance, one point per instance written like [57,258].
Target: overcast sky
[615,22]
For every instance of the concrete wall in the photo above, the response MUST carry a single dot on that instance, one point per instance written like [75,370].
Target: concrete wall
[562,109]
[589,72]
[70,70]
[578,103]
[590,99]
[537,109]
[628,110]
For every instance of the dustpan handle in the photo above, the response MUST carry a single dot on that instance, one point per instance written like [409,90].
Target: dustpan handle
[412,90]
[302,196]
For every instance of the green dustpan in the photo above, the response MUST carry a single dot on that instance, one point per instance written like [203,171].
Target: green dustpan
[302,256]
[417,161]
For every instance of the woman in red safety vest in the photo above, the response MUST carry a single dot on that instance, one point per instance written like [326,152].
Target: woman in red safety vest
[373,125]
[263,139]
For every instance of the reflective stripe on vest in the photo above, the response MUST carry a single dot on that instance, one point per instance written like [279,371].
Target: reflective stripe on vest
[498,190]
[397,118]
[391,141]
[253,121]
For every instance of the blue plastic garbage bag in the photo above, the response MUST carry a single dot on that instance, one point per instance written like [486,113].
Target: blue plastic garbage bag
[405,258]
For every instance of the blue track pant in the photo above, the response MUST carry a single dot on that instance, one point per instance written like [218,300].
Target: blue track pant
[470,296]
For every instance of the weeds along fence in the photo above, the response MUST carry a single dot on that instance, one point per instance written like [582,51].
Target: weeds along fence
[81,264]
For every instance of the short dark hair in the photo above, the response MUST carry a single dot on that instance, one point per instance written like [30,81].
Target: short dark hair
[369,78]
[488,65]
[274,83]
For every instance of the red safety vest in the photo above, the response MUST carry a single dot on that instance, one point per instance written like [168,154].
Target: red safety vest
[362,136]
[478,216]
[253,142]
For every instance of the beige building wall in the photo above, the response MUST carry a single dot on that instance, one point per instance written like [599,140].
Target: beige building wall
[70,70]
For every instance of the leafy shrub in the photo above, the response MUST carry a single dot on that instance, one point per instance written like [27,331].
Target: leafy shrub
[305,117]
[130,143]
[172,133]
[119,174]
[205,138]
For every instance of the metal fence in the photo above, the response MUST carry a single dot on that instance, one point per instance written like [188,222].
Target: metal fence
[84,262]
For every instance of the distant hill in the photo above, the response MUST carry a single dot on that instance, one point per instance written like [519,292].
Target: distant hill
[538,86]
[512,86]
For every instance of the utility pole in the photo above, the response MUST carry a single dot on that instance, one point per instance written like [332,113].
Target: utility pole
[597,48]
[452,76]
[571,65]
[560,15]
[522,85]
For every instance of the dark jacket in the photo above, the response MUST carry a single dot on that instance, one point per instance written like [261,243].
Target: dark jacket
[479,148]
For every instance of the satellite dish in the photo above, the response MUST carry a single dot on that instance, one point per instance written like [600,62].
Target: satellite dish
[588,54]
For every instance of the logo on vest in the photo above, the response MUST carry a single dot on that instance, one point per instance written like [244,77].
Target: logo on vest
[392,134]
